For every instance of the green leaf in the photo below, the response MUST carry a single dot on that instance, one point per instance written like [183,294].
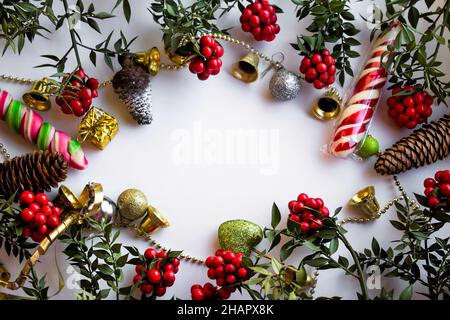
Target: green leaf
[375,247]
[406,293]
[276,216]
[261,270]
[127,10]
[317,263]
[276,266]
[93,24]
[334,244]
[104,15]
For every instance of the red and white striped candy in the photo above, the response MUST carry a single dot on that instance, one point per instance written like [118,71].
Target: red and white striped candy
[355,119]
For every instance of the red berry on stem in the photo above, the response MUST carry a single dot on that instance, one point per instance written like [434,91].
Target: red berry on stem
[257,7]
[237,261]
[428,100]
[207,52]
[136,278]
[247,13]
[429,183]
[231,279]
[291,204]
[57,211]
[408,101]
[219,252]
[325,52]
[43,230]
[444,189]
[316,58]
[331,70]
[209,289]
[316,224]
[212,273]
[304,226]
[197,294]
[154,276]
[53,221]
[228,256]
[242,273]
[39,219]
[169,277]
[160,291]
[80,73]
[146,288]
[246,27]
[302,197]
[294,217]
[92,83]
[325,212]
[26,215]
[34,207]
[321,67]
[206,41]
[254,21]
[433,201]
[218,261]
[26,232]
[330,80]
[311,74]
[150,253]
[229,268]
[329,60]
[26,197]
[298,207]
[220,272]
[46,210]
[318,84]
[202,76]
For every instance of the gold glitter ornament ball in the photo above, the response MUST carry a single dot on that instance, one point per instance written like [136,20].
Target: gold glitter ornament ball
[131,204]
[239,236]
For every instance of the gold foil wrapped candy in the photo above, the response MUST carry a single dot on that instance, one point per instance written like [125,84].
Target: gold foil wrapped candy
[98,127]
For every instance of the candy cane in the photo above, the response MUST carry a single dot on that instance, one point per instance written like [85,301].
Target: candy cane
[353,124]
[43,135]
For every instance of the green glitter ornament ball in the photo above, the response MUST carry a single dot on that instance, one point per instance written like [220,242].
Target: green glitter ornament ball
[239,236]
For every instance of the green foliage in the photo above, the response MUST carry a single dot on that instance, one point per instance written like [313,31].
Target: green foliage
[39,287]
[415,60]
[332,23]
[11,231]
[182,26]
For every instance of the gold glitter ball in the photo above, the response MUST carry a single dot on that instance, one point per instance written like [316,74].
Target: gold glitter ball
[132,204]
[239,236]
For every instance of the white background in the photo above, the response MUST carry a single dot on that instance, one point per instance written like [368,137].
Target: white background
[197,198]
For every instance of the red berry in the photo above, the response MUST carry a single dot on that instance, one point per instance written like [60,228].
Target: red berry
[175,262]
[316,224]
[254,21]
[27,215]
[46,210]
[419,97]
[311,203]
[207,41]
[246,27]
[429,183]
[228,256]
[53,221]
[307,216]
[391,102]
[330,80]
[433,201]
[168,267]
[237,261]
[316,58]
[162,254]
[410,112]
[242,273]
[27,197]
[408,101]
[224,294]
[247,13]
[56,211]
[302,197]
[294,217]
[325,212]
[444,189]
[306,62]
[150,253]
[169,277]
[94,93]
[291,205]
[160,291]
[428,100]
[136,278]
[311,74]
[231,279]
[256,7]
[198,294]
[41,199]
[264,16]
[298,207]
[324,77]
[80,73]
[304,226]
[86,103]
[229,268]
[321,67]
[411,124]
[92,83]
[37,237]
[267,31]
[219,252]
[220,272]
[220,282]
[213,64]
[212,273]
[256,31]
[445,176]
[203,76]
[318,84]
[34,207]
[39,219]
[197,65]
[218,51]
[85,93]
[26,232]
[154,276]
[329,60]
[43,230]
[331,70]
[209,289]
[146,288]
[428,112]
[207,52]
[209,262]
[218,261]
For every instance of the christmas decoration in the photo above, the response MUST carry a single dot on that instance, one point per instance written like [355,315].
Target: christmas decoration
[77,93]
[107,211]
[328,106]
[304,211]
[284,85]
[156,272]
[210,292]
[31,127]
[226,268]
[437,191]
[209,63]
[410,109]
[354,122]
[153,221]
[246,69]
[39,216]
[38,171]
[98,127]
[259,18]
[150,60]
[38,98]
[424,146]
[319,69]
[132,205]
[369,148]
[132,84]
[239,236]
[366,201]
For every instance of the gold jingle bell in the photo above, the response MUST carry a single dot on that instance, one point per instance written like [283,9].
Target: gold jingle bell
[366,201]
[38,97]
[328,106]
[153,221]
[178,58]
[150,60]
[246,69]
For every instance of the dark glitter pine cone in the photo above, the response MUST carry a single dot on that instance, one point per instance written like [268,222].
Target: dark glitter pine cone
[132,84]
[424,146]
[37,172]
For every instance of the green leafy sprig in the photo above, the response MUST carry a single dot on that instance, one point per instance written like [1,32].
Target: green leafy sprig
[332,23]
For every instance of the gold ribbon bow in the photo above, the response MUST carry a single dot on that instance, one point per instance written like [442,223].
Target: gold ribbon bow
[76,209]
[98,127]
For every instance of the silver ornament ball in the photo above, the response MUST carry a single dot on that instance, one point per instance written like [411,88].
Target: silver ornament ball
[284,85]
[107,211]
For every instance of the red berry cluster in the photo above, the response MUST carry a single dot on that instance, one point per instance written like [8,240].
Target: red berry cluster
[209,63]
[157,273]
[304,211]
[211,292]
[78,94]
[319,69]
[227,269]
[437,190]
[409,110]
[260,19]
[39,215]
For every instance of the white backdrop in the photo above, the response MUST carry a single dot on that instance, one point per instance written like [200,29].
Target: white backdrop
[196,193]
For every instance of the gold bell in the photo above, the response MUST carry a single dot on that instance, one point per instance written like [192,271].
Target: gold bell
[153,221]
[38,97]
[4,274]
[328,106]
[246,69]
[366,201]
[178,58]
[150,60]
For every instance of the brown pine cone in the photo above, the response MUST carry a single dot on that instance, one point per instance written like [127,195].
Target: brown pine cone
[424,146]
[37,172]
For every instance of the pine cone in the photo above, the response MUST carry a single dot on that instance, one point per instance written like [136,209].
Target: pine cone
[37,172]
[424,146]
[133,86]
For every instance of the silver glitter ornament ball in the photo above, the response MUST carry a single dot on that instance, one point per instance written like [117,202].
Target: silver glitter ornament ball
[107,211]
[284,85]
